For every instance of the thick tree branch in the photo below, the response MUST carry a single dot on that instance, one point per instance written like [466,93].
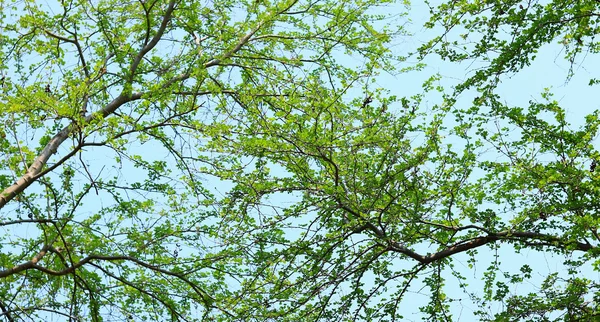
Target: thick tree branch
[35,170]
[546,240]
[27,265]
[461,246]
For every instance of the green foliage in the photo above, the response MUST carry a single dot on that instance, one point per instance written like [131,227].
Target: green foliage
[234,161]
[508,35]
[543,177]
[117,119]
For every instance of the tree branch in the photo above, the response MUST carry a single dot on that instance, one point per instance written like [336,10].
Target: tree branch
[32,264]
[27,265]
[147,47]
[480,241]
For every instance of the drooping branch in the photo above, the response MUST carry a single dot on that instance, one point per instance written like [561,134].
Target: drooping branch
[33,264]
[152,295]
[461,246]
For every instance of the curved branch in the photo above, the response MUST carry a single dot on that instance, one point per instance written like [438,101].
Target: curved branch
[27,265]
[33,264]
[546,240]
[171,309]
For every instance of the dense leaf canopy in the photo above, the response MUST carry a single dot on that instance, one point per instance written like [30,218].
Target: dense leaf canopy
[239,161]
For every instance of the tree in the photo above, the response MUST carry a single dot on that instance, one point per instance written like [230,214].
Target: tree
[234,161]
[390,198]
[546,177]
[111,155]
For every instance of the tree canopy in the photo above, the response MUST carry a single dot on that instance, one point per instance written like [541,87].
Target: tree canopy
[239,161]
